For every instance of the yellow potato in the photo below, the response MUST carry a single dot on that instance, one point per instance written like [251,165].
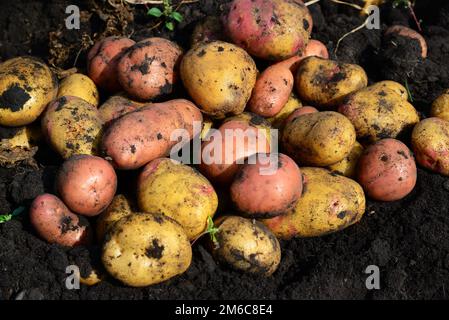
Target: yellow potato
[278,121]
[121,206]
[219,77]
[440,107]
[329,203]
[325,83]
[178,191]
[72,126]
[379,114]
[81,86]
[347,167]
[145,248]
[17,144]
[27,85]
[319,139]
[392,85]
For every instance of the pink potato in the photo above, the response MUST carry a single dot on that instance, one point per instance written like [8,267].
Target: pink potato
[146,134]
[149,69]
[235,141]
[269,29]
[387,170]
[272,90]
[102,61]
[267,188]
[55,223]
[406,32]
[299,112]
[313,48]
[86,184]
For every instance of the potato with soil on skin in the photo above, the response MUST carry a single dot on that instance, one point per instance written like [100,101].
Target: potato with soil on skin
[411,34]
[318,139]
[392,85]
[299,112]
[440,107]
[27,85]
[231,144]
[292,104]
[347,167]
[329,203]
[269,29]
[430,143]
[378,114]
[86,184]
[117,106]
[266,186]
[81,86]
[55,223]
[325,83]
[179,192]
[72,126]
[120,207]
[146,248]
[387,170]
[247,245]
[102,61]
[149,69]
[208,30]
[272,90]
[314,48]
[219,77]
[146,134]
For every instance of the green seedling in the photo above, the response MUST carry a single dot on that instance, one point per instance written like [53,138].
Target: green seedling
[409,93]
[211,230]
[7,217]
[168,12]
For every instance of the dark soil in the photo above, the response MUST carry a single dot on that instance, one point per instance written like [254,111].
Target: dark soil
[407,239]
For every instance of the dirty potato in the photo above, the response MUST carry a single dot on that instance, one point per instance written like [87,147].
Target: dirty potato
[81,86]
[347,167]
[440,107]
[292,104]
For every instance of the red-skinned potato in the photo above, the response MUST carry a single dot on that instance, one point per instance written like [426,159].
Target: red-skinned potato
[102,60]
[272,90]
[144,135]
[299,112]
[86,184]
[266,187]
[411,34]
[221,154]
[269,29]
[313,48]
[387,170]
[55,223]
[148,69]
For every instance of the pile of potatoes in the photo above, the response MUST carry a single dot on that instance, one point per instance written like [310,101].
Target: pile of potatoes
[288,151]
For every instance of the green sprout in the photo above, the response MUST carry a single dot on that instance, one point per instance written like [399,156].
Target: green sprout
[169,13]
[211,230]
[409,93]
[7,217]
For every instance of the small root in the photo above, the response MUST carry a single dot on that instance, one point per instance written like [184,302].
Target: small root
[349,33]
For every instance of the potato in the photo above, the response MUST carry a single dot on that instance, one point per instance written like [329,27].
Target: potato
[378,114]
[219,77]
[27,85]
[207,30]
[347,167]
[18,144]
[145,249]
[329,203]
[247,245]
[411,34]
[232,143]
[81,86]
[117,106]
[253,120]
[440,107]
[207,126]
[93,278]
[72,126]
[120,207]
[146,134]
[55,223]
[430,143]
[269,29]
[86,184]
[299,112]
[266,187]
[387,170]
[272,90]
[278,120]
[102,60]
[392,85]
[193,201]
[313,48]
[148,70]
[319,139]
[325,83]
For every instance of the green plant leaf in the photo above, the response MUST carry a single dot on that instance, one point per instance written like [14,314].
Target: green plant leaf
[170,25]
[155,12]
[5,217]
[176,16]
[212,230]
